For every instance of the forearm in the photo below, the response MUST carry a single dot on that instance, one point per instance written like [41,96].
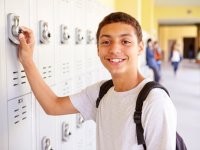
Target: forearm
[41,90]
[51,104]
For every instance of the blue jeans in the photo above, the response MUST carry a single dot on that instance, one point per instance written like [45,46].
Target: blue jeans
[175,66]
[156,73]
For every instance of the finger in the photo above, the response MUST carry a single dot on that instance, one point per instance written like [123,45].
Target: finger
[25,29]
[22,40]
[28,33]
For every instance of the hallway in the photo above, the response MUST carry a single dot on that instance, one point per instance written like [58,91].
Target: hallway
[185,93]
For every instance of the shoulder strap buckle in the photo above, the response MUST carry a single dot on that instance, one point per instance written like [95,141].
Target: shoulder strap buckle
[137,117]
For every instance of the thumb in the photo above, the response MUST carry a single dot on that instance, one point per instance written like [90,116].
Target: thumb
[22,40]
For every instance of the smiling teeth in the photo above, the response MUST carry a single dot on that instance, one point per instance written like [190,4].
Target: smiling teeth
[116,60]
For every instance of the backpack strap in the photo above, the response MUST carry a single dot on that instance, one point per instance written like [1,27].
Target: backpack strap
[103,90]
[138,109]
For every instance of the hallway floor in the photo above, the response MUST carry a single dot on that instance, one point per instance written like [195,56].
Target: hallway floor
[184,89]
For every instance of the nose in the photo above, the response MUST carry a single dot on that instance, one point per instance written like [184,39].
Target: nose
[115,48]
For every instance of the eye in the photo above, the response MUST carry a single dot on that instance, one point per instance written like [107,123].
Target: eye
[126,42]
[105,43]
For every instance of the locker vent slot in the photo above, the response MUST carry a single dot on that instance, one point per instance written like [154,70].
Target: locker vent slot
[20,111]
[19,77]
[78,65]
[16,122]
[24,118]
[66,68]
[16,110]
[66,90]
[23,77]
[16,116]
[15,78]
[46,72]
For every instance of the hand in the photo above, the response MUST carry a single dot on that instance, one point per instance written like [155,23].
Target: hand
[26,46]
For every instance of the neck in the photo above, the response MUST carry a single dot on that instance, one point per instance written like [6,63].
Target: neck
[127,82]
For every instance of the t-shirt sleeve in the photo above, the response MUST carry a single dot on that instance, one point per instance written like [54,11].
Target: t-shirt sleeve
[85,101]
[159,121]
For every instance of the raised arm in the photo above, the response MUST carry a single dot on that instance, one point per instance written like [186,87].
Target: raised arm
[52,104]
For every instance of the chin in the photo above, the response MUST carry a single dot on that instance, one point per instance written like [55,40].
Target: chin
[117,72]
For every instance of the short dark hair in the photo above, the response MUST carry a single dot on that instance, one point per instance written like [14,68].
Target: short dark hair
[149,40]
[122,17]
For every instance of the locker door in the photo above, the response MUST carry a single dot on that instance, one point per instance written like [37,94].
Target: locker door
[91,27]
[64,49]
[64,56]
[91,55]
[91,48]
[79,134]
[80,40]
[3,99]
[43,24]
[46,126]
[16,79]
[79,62]
[66,136]
[67,123]
[20,123]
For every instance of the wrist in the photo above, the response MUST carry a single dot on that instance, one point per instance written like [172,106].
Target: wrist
[28,63]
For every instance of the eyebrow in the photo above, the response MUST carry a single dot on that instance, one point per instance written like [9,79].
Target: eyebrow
[105,35]
[109,36]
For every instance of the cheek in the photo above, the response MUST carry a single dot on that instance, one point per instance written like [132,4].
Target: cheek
[101,51]
[100,54]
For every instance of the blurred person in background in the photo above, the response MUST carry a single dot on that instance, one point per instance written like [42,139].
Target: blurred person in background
[157,54]
[151,62]
[176,56]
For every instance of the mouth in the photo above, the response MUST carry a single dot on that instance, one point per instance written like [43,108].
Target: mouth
[116,61]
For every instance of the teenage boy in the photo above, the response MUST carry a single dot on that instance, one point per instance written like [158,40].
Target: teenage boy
[119,44]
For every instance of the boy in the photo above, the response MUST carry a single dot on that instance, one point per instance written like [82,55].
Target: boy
[119,43]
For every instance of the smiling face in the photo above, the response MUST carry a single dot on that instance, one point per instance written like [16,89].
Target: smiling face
[118,48]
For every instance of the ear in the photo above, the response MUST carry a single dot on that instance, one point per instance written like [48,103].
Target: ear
[140,48]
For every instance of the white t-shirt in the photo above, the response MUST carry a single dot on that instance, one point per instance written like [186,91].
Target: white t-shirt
[175,56]
[116,129]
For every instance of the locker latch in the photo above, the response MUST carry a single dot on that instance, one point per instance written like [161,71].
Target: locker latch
[79,120]
[45,35]
[89,37]
[64,34]
[13,28]
[79,36]
[46,144]
[65,132]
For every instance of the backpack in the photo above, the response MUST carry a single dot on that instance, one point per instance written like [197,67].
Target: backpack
[180,145]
